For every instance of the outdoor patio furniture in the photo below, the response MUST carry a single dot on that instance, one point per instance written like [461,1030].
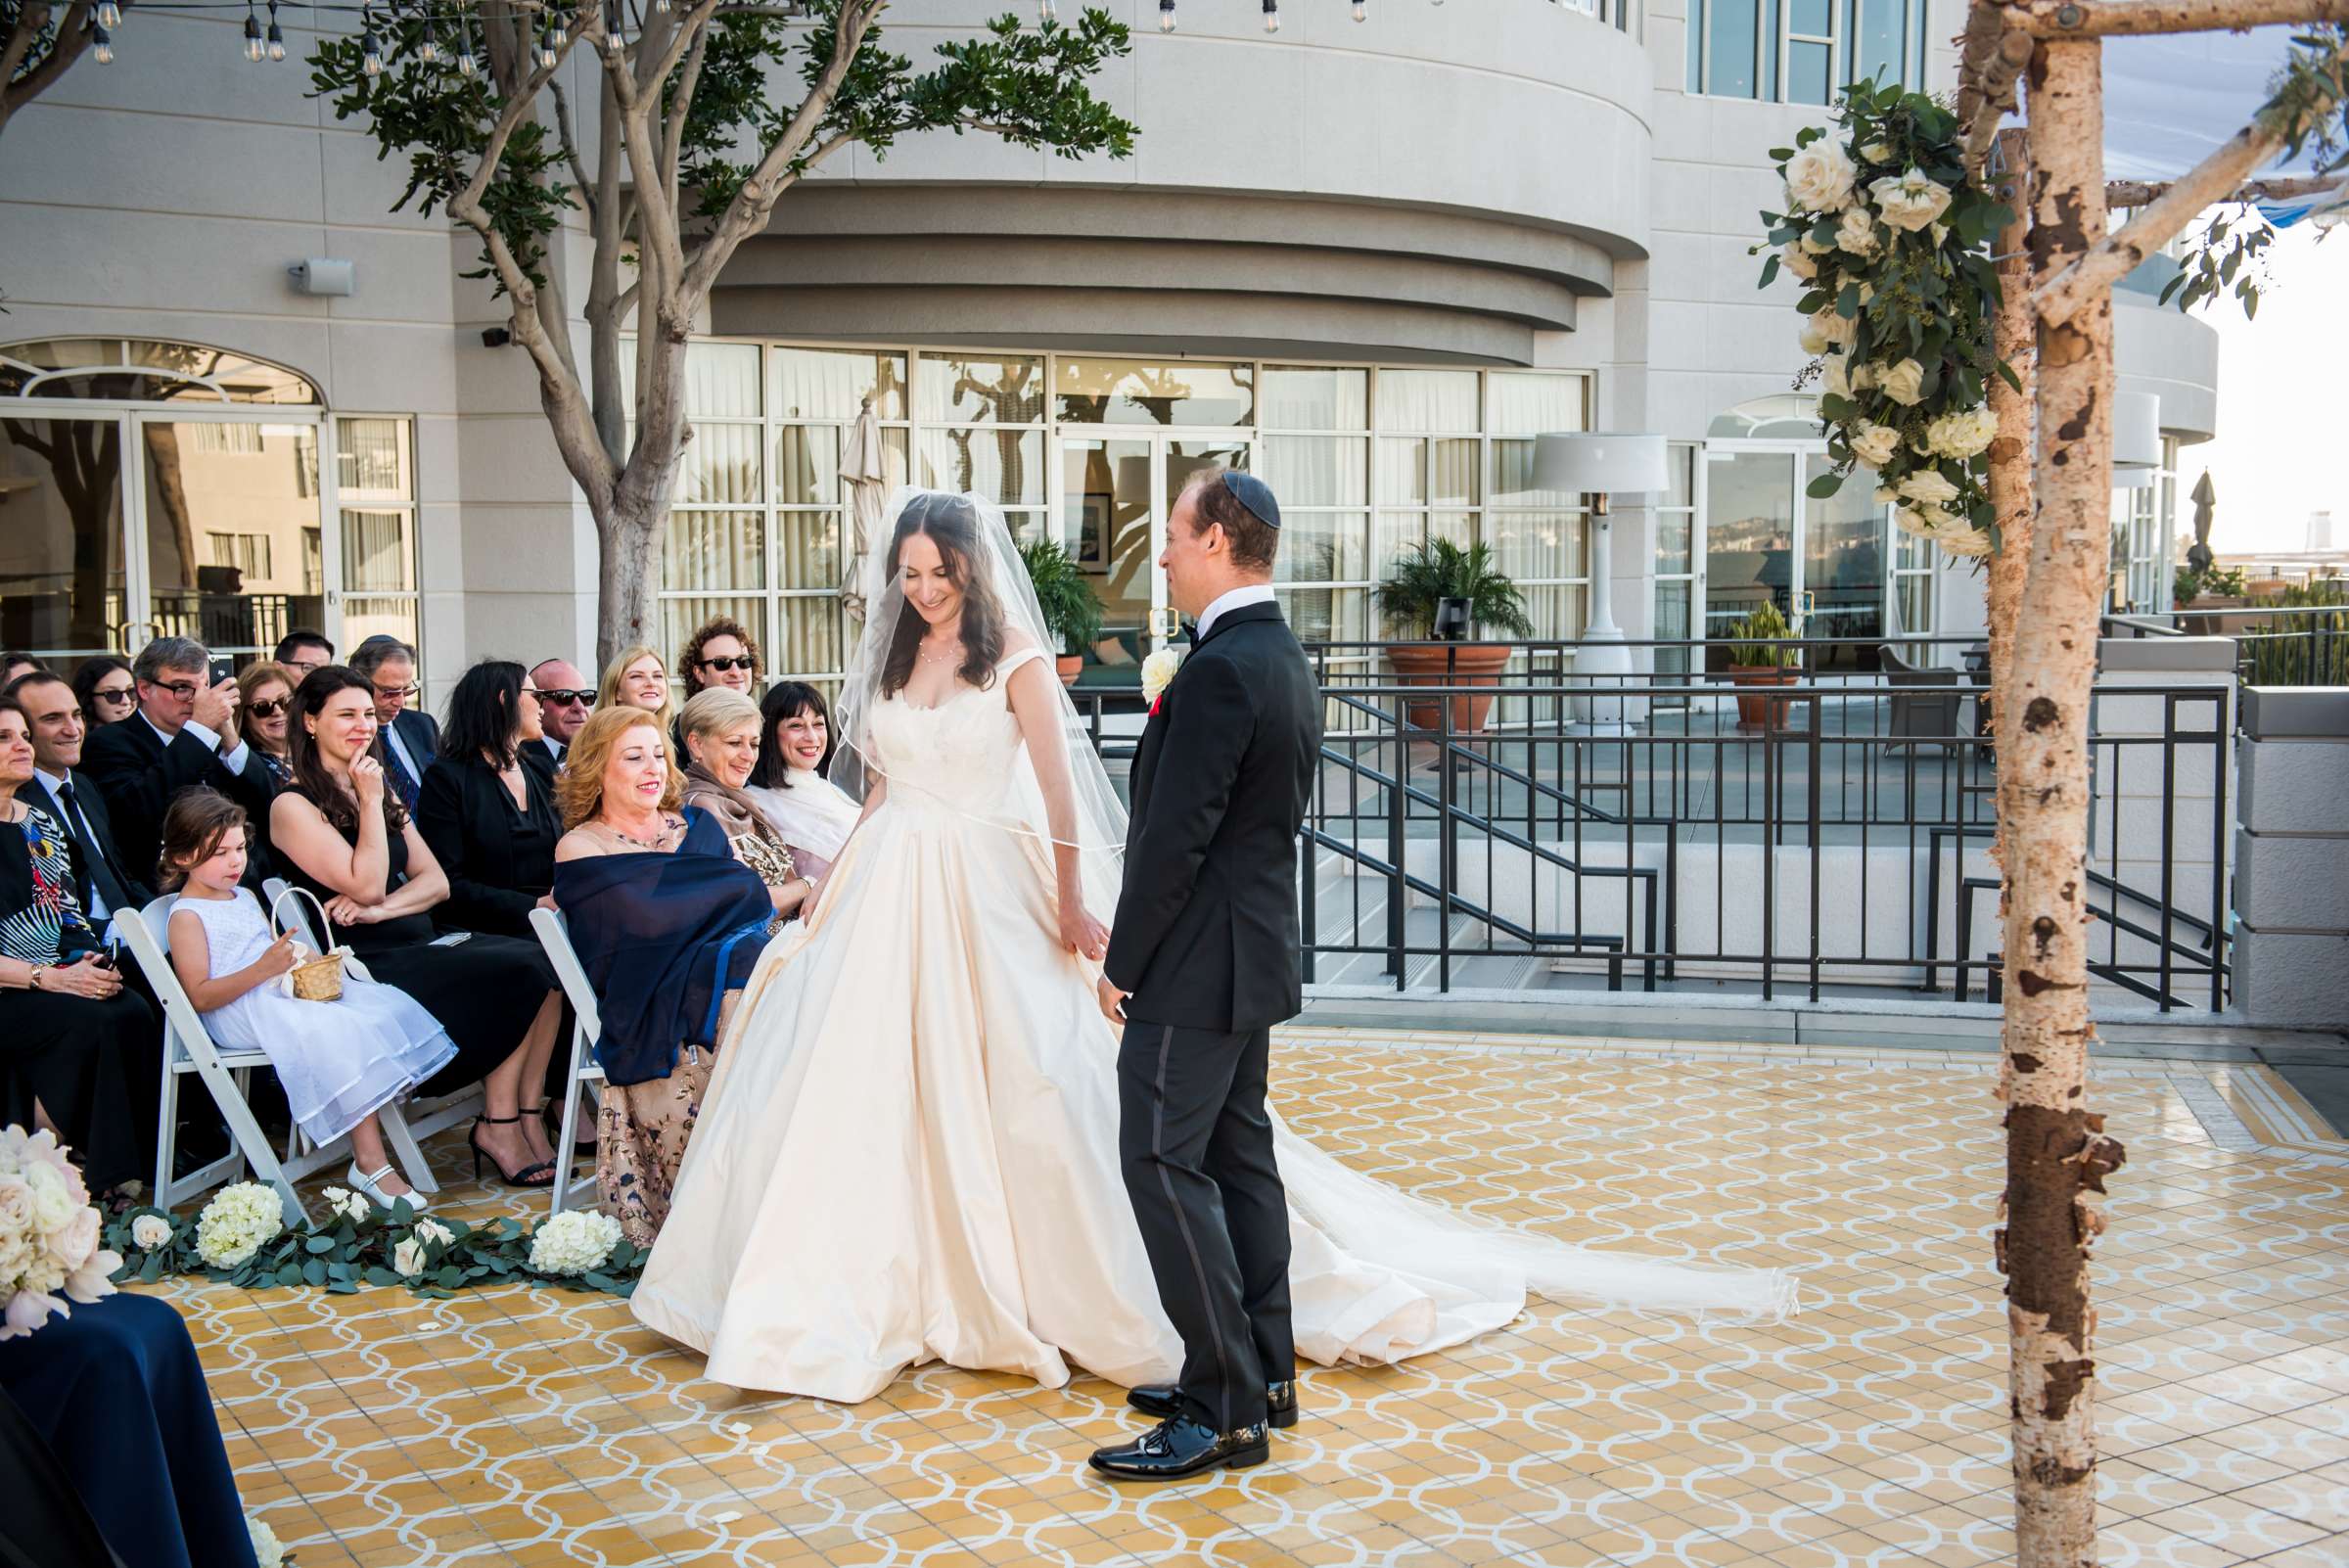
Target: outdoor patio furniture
[1924,703]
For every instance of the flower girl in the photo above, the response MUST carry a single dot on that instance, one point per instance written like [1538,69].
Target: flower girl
[341,1062]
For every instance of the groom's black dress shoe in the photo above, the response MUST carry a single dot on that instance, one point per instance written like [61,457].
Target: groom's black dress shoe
[1163,1400]
[1180,1446]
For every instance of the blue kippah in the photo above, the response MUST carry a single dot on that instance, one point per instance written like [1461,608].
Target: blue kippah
[1255,494]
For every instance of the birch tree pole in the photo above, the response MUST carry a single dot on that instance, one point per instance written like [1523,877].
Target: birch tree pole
[706,113]
[2046,595]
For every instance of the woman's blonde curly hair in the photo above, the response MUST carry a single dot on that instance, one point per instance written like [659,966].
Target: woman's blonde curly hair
[580,792]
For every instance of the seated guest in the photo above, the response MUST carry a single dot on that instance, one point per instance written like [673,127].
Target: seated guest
[636,679]
[80,1051]
[105,689]
[343,1063]
[411,736]
[302,650]
[118,1396]
[184,734]
[264,703]
[669,925]
[103,881]
[340,831]
[565,700]
[792,785]
[13,663]
[721,654]
[721,744]
[489,818]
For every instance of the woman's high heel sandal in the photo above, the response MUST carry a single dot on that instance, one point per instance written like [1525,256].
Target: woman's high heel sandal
[371,1187]
[541,1174]
[583,1144]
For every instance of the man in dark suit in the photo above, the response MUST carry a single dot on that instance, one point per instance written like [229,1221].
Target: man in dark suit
[565,700]
[103,880]
[411,736]
[1205,956]
[183,734]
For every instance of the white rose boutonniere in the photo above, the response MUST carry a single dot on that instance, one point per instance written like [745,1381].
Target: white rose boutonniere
[1158,673]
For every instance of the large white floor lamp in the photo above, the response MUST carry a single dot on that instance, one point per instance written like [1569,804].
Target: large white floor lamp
[1601,465]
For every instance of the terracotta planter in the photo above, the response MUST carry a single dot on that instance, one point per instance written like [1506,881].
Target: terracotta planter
[1440,663]
[1755,710]
[1070,666]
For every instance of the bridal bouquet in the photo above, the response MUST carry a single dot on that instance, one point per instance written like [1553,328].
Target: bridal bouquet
[1889,237]
[49,1234]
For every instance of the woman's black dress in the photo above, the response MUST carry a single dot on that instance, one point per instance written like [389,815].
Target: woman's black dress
[485,990]
[92,1064]
[499,857]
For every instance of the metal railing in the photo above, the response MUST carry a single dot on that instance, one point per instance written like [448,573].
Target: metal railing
[2276,645]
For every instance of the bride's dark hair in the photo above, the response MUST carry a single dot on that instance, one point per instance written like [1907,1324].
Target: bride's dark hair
[952,524]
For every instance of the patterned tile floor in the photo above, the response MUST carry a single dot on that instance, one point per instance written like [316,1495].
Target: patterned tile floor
[524,1428]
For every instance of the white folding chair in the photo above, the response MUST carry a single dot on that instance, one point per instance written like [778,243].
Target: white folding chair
[555,937]
[423,1117]
[188,1048]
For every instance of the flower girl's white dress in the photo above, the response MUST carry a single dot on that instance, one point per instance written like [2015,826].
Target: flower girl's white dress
[338,1061]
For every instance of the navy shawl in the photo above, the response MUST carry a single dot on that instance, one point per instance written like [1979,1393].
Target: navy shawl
[662,937]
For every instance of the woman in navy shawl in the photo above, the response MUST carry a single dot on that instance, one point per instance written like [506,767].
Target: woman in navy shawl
[669,925]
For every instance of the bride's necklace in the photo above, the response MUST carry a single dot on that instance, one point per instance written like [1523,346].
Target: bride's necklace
[950,653]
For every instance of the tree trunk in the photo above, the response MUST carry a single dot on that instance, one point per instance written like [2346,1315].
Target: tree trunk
[2013,339]
[628,579]
[2056,1154]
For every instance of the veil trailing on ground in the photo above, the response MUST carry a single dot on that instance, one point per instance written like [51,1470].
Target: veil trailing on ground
[1061,797]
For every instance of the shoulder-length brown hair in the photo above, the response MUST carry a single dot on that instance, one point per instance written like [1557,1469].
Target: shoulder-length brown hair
[192,828]
[311,780]
[952,524]
[580,792]
[253,677]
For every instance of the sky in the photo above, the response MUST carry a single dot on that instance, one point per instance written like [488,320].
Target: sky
[2279,450]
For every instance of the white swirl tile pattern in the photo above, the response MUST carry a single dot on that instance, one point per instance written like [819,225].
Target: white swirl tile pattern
[535,1427]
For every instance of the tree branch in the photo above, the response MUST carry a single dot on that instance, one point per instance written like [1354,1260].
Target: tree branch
[660,257]
[2140,193]
[72,38]
[28,26]
[2106,18]
[680,109]
[590,195]
[1992,57]
[2116,255]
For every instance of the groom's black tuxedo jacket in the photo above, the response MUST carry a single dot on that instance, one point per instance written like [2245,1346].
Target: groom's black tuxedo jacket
[1206,934]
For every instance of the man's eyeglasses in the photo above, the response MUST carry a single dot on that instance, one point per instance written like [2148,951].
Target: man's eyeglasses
[731,662]
[267,707]
[565,699]
[114,694]
[184,690]
[396,693]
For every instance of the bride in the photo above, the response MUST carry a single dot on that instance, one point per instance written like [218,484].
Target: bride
[909,1150]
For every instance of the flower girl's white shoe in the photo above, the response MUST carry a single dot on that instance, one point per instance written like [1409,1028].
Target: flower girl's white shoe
[371,1187]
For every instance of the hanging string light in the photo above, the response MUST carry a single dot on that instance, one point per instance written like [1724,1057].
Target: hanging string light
[1271,16]
[277,34]
[110,15]
[1166,16]
[427,48]
[371,48]
[557,27]
[102,44]
[661,7]
[1361,11]
[254,51]
[1043,12]
[467,65]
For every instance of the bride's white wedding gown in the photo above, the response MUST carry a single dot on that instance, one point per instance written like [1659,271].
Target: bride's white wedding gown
[908,1151]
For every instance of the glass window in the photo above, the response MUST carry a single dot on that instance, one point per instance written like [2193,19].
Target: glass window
[1005,466]
[988,392]
[375,461]
[833,382]
[1128,391]
[1802,51]
[1309,398]
[720,466]
[715,550]
[62,587]
[1431,400]
[257,489]
[721,380]
[145,370]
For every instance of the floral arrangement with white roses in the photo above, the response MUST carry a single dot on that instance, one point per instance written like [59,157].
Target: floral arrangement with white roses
[1890,238]
[240,1237]
[50,1257]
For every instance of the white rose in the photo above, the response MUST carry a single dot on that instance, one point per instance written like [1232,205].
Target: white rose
[1834,326]
[433,1232]
[239,1221]
[1909,520]
[1811,339]
[1834,381]
[573,1242]
[1812,247]
[1975,543]
[150,1231]
[1904,382]
[1863,376]
[1158,672]
[407,1258]
[1873,443]
[94,1281]
[1962,435]
[52,1200]
[267,1551]
[1819,178]
[72,1242]
[1885,495]
[1867,293]
[1909,201]
[1926,487]
[1876,153]
[1798,262]
[1856,233]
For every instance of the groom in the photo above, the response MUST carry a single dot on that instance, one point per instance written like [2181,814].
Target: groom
[1204,959]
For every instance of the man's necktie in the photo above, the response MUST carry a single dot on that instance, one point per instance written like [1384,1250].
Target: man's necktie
[97,863]
[403,780]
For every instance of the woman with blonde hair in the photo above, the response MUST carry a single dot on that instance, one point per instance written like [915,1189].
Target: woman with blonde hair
[638,679]
[668,925]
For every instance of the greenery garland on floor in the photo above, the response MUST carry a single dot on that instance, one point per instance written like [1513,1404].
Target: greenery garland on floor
[240,1238]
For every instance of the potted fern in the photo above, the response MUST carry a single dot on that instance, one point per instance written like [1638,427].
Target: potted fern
[1414,593]
[1761,656]
[1069,609]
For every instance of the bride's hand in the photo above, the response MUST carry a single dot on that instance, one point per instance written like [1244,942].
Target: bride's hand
[1079,932]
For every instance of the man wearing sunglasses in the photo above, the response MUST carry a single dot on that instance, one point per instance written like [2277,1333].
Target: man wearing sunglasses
[721,654]
[184,734]
[565,700]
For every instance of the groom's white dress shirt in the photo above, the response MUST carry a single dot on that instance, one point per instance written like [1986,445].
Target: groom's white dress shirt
[1234,599]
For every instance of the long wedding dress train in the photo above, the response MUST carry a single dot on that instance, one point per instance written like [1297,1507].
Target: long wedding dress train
[909,1150]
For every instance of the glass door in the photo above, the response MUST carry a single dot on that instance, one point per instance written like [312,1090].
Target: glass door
[1750,555]
[235,551]
[1114,490]
[1769,542]
[1844,570]
[64,587]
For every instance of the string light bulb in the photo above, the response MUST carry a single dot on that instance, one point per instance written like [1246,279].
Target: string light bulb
[255,50]
[110,15]
[661,7]
[1043,12]
[1361,11]
[1271,16]
[558,29]
[102,44]
[467,65]
[547,56]
[427,48]
[276,35]
[1166,16]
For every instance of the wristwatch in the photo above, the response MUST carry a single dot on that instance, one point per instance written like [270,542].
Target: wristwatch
[36,977]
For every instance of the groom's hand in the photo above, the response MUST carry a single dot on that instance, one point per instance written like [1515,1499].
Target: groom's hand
[1112,999]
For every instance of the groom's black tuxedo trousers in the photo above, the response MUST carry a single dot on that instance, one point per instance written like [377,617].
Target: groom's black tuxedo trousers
[1206,940]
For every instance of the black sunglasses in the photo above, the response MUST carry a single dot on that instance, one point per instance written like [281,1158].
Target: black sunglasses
[564,698]
[267,707]
[731,662]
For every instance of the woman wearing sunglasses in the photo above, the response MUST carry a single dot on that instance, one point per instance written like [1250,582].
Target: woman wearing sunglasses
[108,695]
[265,691]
